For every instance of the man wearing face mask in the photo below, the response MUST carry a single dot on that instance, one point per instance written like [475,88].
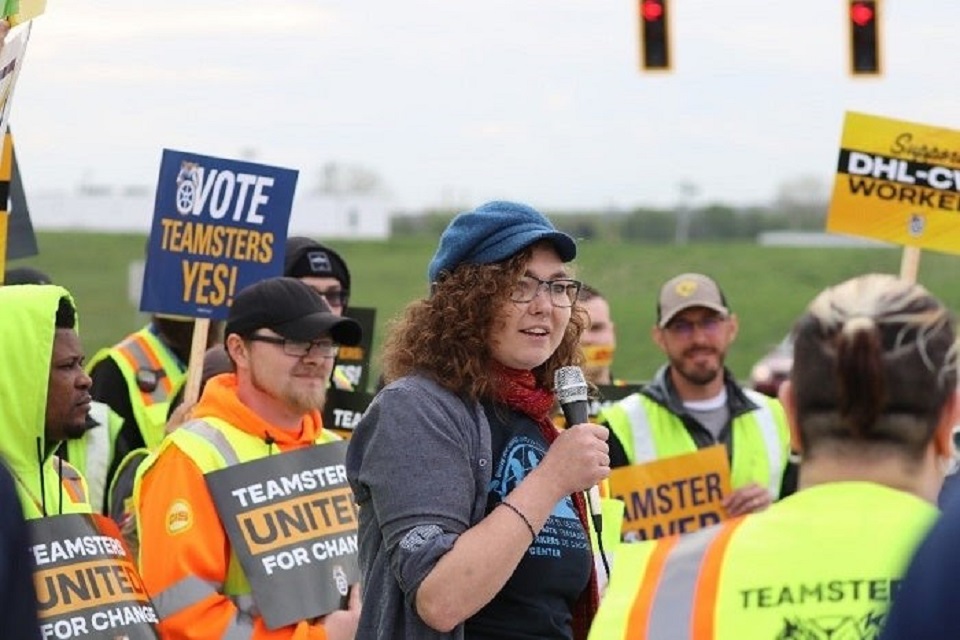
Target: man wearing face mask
[599,340]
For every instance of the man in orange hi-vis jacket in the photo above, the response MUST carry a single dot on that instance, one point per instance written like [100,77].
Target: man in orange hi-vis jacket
[282,339]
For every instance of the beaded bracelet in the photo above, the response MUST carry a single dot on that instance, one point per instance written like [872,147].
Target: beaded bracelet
[533,533]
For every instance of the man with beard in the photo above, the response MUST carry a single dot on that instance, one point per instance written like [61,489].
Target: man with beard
[44,397]
[282,340]
[694,401]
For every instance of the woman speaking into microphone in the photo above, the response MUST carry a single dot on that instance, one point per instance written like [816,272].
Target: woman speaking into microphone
[472,517]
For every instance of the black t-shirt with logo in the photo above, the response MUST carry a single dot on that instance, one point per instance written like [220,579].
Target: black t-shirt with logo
[537,600]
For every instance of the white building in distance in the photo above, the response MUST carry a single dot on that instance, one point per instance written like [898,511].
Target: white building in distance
[130,209]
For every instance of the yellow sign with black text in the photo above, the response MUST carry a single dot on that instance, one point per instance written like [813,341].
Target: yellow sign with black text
[679,494]
[899,182]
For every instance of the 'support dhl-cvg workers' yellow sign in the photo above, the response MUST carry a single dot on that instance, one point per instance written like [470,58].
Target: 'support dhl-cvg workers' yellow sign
[898,181]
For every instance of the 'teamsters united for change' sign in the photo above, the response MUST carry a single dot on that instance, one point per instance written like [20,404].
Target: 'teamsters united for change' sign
[87,586]
[292,522]
[899,182]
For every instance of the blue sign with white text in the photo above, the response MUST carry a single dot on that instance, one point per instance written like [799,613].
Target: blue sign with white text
[218,226]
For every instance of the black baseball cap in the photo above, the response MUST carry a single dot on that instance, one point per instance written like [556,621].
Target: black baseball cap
[292,309]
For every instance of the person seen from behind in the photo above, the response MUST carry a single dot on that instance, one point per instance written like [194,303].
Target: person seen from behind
[871,402]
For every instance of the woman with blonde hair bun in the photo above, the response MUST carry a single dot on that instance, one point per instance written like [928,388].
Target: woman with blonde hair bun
[871,403]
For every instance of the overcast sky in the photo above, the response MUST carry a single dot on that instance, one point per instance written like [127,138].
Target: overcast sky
[454,103]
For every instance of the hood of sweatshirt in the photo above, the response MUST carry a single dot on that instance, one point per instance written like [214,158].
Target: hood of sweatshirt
[219,400]
[27,331]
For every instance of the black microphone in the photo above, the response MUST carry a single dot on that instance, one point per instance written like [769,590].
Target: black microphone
[570,386]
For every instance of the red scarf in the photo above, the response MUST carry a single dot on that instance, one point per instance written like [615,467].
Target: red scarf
[518,390]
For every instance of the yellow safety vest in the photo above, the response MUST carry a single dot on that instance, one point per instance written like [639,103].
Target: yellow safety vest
[72,491]
[212,444]
[649,431]
[822,563]
[143,356]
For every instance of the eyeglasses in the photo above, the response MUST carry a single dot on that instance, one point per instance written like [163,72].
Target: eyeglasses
[300,348]
[683,328]
[335,297]
[563,292]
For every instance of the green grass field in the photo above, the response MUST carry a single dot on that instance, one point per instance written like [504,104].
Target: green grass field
[766,286]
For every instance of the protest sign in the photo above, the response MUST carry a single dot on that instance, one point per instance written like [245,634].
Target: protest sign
[86,582]
[11,60]
[27,10]
[21,240]
[292,523]
[219,225]
[354,362]
[673,495]
[898,181]
[343,410]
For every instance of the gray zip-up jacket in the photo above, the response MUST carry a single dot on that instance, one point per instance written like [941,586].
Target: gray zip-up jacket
[419,464]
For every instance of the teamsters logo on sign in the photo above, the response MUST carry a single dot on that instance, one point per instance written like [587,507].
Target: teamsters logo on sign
[218,226]
[898,181]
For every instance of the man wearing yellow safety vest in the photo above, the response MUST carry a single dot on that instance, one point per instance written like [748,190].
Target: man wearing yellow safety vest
[44,397]
[136,378]
[694,402]
[871,403]
[282,339]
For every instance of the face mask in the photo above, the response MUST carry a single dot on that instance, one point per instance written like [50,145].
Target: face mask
[598,355]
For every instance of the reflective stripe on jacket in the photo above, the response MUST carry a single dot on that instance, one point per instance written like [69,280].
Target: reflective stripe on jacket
[194,585]
[72,497]
[824,562]
[142,356]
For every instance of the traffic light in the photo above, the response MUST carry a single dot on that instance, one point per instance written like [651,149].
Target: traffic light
[654,35]
[863,18]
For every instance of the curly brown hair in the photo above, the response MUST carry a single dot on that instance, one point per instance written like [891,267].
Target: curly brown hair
[445,337]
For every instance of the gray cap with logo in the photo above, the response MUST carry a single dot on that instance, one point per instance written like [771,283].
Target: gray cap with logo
[686,291]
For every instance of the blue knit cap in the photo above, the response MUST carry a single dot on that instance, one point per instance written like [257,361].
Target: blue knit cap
[494,232]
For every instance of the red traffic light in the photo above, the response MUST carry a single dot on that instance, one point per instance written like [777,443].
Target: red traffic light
[651,10]
[861,13]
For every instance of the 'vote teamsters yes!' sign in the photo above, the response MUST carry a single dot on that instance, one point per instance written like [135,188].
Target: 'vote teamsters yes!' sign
[898,181]
[218,226]
[292,523]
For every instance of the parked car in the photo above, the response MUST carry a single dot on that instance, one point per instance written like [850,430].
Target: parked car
[773,368]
